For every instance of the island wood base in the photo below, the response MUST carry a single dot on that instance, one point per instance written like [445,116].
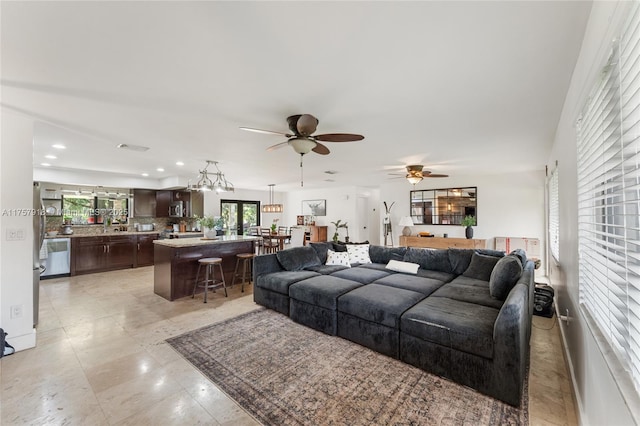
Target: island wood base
[441,243]
[175,268]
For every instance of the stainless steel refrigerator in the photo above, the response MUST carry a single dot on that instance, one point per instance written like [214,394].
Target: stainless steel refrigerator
[38,239]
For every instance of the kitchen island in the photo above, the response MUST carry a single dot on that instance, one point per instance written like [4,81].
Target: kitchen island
[176,261]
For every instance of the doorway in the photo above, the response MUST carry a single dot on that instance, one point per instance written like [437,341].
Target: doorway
[239,215]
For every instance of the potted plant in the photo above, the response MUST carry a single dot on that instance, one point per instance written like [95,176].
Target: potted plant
[208,226]
[274,226]
[468,222]
[338,224]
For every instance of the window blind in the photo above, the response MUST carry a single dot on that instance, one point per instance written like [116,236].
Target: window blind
[554,215]
[608,150]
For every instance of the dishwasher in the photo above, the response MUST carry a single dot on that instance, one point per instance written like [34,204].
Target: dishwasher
[55,256]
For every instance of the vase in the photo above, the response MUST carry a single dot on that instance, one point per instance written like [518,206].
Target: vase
[209,233]
[468,232]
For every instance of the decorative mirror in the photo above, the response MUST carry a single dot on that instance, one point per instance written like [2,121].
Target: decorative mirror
[443,206]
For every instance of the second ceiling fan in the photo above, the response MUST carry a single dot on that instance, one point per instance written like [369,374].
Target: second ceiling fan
[301,138]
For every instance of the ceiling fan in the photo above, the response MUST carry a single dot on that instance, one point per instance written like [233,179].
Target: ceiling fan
[301,138]
[416,172]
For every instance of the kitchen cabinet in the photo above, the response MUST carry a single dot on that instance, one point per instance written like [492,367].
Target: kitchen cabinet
[105,253]
[315,234]
[163,201]
[144,249]
[144,203]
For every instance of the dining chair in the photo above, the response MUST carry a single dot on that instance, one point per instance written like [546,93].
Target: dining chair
[269,245]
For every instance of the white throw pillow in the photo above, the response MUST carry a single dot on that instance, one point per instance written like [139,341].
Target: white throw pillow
[358,253]
[338,258]
[406,267]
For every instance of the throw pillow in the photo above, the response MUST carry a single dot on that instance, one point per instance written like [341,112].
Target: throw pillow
[338,258]
[481,267]
[520,254]
[358,253]
[406,267]
[504,276]
[298,258]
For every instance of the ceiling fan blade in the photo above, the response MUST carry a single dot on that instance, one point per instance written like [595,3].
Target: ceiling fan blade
[320,149]
[434,175]
[338,137]
[278,145]
[268,132]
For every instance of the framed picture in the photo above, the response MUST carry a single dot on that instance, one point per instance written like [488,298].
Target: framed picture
[314,207]
[300,220]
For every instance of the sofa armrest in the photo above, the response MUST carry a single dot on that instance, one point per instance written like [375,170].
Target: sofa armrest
[265,264]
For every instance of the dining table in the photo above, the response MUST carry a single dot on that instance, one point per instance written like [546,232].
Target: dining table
[281,239]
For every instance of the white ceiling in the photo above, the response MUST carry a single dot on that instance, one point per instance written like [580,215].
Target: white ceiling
[462,87]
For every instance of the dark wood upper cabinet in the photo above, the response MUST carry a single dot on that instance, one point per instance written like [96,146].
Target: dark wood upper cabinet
[144,203]
[163,201]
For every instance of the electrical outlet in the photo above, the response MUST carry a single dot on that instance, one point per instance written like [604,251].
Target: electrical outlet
[16,311]
[15,234]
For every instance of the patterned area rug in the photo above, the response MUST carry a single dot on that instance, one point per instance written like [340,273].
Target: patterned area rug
[284,373]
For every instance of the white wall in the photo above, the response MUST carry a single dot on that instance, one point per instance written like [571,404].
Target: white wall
[509,205]
[598,396]
[16,261]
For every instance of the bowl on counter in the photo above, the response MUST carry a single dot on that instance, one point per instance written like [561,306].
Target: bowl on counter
[52,233]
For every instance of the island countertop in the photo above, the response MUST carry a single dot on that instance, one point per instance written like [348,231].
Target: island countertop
[196,242]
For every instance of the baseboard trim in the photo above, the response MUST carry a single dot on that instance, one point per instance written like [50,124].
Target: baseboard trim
[25,341]
[577,401]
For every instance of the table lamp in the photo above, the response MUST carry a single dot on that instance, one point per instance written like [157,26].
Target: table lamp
[406,221]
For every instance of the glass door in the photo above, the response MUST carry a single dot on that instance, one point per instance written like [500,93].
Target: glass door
[239,215]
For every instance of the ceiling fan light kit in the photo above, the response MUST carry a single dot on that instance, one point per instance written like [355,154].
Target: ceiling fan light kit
[415,174]
[205,184]
[271,207]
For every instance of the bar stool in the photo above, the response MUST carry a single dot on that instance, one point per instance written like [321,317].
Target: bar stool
[210,277]
[246,258]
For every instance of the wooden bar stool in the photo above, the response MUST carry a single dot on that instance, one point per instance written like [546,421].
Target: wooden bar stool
[209,276]
[247,259]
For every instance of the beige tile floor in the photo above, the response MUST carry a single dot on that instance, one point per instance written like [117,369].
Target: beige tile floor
[101,359]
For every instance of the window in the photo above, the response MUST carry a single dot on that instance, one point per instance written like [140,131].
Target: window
[89,209]
[608,150]
[554,215]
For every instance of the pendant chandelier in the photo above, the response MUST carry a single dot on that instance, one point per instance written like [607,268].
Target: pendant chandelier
[204,183]
[271,207]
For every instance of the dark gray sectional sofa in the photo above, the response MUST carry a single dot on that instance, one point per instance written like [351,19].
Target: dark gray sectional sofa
[464,315]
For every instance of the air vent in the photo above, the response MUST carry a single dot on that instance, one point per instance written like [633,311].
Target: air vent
[138,148]
[330,172]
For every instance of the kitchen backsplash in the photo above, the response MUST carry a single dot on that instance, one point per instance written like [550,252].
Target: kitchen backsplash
[54,223]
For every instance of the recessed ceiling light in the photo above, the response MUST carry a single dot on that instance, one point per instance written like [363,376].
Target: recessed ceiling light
[45,164]
[145,174]
[50,157]
[179,163]
[59,146]
[160,169]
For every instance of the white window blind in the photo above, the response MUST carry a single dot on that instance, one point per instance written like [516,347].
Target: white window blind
[554,215]
[609,198]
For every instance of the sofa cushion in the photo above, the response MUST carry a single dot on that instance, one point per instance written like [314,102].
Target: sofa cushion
[422,285]
[464,326]
[321,249]
[298,258]
[360,274]
[468,293]
[435,260]
[379,254]
[358,253]
[336,258]
[462,280]
[378,303]
[376,266]
[326,269]
[280,281]
[489,252]
[322,291]
[460,259]
[406,267]
[504,276]
[481,266]
[436,275]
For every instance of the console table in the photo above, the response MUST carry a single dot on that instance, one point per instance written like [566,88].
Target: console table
[441,243]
